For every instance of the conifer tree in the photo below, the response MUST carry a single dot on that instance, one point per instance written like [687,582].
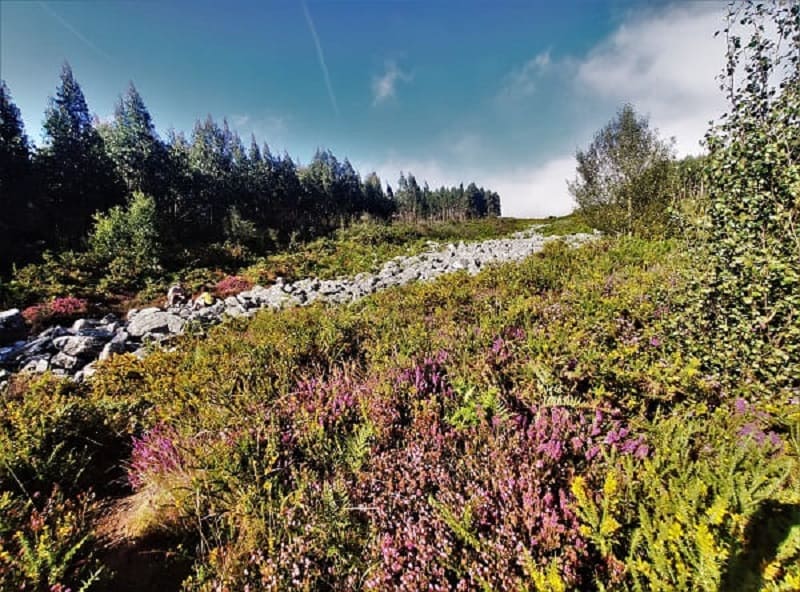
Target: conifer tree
[135,147]
[77,175]
[16,207]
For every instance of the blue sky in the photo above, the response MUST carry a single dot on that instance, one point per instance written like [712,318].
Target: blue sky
[501,92]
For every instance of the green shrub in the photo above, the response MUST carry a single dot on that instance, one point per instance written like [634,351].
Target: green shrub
[624,183]
[46,543]
[127,241]
[753,284]
[684,518]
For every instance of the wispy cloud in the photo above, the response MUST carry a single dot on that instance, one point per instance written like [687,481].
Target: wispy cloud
[384,87]
[523,81]
[240,120]
[67,25]
[272,129]
[321,56]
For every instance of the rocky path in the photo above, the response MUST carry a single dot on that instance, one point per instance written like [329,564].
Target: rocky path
[73,351]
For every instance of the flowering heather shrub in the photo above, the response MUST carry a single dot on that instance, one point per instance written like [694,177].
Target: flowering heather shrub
[68,306]
[152,455]
[32,314]
[533,447]
[231,285]
[488,505]
[58,310]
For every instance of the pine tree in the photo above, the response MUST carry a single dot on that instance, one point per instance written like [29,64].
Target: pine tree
[211,162]
[77,175]
[135,147]
[16,206]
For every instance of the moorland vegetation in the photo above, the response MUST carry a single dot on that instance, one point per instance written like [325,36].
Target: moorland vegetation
[620,416]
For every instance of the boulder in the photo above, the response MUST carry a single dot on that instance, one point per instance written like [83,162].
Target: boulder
[111,348]
[53,332]
[86,372]
[80,346]
[209,314]
[12,326]
[36,365]
[155,320]
[10,354]
[65,361]
[37,347]
[82,324]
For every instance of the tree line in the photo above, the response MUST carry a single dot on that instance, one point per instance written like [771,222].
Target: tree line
[207,188]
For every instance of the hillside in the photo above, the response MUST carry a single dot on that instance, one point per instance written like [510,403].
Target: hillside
[541,424]
[376,390]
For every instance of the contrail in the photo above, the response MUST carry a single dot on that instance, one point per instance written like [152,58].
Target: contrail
[74,31]
[321,57]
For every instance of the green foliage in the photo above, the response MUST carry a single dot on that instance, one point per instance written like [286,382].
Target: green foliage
[572,224]
[55,435]
[269,442]
[753,288]
[65,273]
[77,175]
[45,544]
[683,518]
[16,228]
[134,147]
[624,182]
[127,241]
[238,230]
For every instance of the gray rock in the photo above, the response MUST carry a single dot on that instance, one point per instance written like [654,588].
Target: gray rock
[36,365]
[65,362]
[80,346]
[53,332]
[121,336]
[155,320]
[82,324]
[10,353]
[37,347]
[111,348]
[101,333]
[12,326]
[86,372]
[238,312]
[111,327]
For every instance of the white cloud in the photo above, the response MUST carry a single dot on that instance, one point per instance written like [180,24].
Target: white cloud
[272,129]
[525,192]
[665,64]
[384,87]
[535,192]
[523,81]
